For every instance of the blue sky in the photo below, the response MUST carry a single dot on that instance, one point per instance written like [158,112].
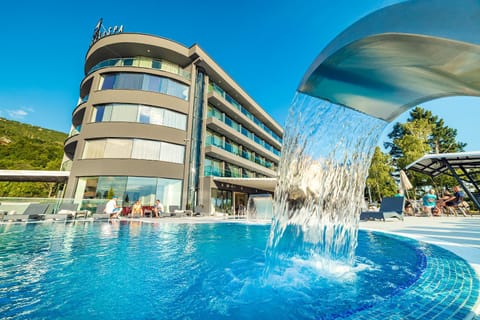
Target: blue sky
[265,46]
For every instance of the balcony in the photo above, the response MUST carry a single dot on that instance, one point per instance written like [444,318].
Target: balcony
[222,154]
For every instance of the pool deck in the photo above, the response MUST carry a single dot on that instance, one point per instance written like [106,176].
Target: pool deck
[460,235]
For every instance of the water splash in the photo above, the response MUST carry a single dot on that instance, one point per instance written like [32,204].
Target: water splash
[326,154]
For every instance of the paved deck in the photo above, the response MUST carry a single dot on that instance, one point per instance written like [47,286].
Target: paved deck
[459,235]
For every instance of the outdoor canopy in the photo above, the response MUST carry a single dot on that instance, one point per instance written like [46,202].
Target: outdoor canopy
[463,166]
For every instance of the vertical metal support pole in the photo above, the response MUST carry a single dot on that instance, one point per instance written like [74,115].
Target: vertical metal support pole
[460,181]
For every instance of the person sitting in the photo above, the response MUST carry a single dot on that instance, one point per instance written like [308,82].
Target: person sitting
[157,209]
[399,193]
[455,200]
[430,203]
[112,209]
[137,209]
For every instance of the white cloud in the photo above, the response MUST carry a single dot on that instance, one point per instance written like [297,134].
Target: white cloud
[19,113]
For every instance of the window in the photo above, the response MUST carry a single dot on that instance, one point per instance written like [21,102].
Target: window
[140,188]
[172,152]
[221,200]
[146,149]
[175,120]
[140,114]
[156,116]
[94,149]
[134,149]
[124,112]
[169,191]
[144,114]
[129,189]
[146,82]
[118,148]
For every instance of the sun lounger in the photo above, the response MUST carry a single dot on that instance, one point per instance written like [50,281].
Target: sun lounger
[391,207]
[10,208]
[35,211]
[66,211]
[100,214]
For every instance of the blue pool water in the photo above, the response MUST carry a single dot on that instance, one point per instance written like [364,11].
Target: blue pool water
[134,270]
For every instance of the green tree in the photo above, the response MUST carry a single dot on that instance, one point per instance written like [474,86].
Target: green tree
[423,133]
[380,181]
[414,142]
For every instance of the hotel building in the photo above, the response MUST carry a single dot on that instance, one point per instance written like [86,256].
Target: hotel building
[158,120]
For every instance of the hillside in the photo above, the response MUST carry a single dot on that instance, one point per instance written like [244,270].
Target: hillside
[27,147]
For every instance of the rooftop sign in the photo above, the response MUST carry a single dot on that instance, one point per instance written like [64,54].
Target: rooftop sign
[98,33]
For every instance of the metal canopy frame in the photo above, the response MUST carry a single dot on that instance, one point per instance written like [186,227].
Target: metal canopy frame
[463,166]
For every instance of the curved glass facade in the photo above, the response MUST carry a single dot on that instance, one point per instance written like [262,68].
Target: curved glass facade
[129,189]
[142,62]
[133,149]
[126,112]
[145,82]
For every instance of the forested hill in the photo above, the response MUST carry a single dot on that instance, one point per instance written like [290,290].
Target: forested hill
[27,147]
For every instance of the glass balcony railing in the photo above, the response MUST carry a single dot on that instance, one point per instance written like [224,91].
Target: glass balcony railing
[142,62]
[82,100]
[213,171]
[66,165]
[212,113]
[217,142]
[232,173]
[214,88]
[75,131]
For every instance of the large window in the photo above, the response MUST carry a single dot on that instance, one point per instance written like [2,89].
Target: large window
[143,62]
[221,200]
[134,149]
[146,82]
[130,189]
[139,113]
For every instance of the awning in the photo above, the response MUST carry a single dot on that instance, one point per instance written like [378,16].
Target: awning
[34,175]
[267,184]
[463,166]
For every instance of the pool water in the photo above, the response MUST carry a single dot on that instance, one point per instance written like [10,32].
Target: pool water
[135,270]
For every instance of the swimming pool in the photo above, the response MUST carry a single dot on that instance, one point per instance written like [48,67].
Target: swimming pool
[135,270]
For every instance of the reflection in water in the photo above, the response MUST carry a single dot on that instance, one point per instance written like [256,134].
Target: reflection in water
[326,154]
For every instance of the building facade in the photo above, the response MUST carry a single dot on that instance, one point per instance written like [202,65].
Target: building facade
[158,120]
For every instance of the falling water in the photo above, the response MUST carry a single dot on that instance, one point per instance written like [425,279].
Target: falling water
[326,154]
[260,207]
